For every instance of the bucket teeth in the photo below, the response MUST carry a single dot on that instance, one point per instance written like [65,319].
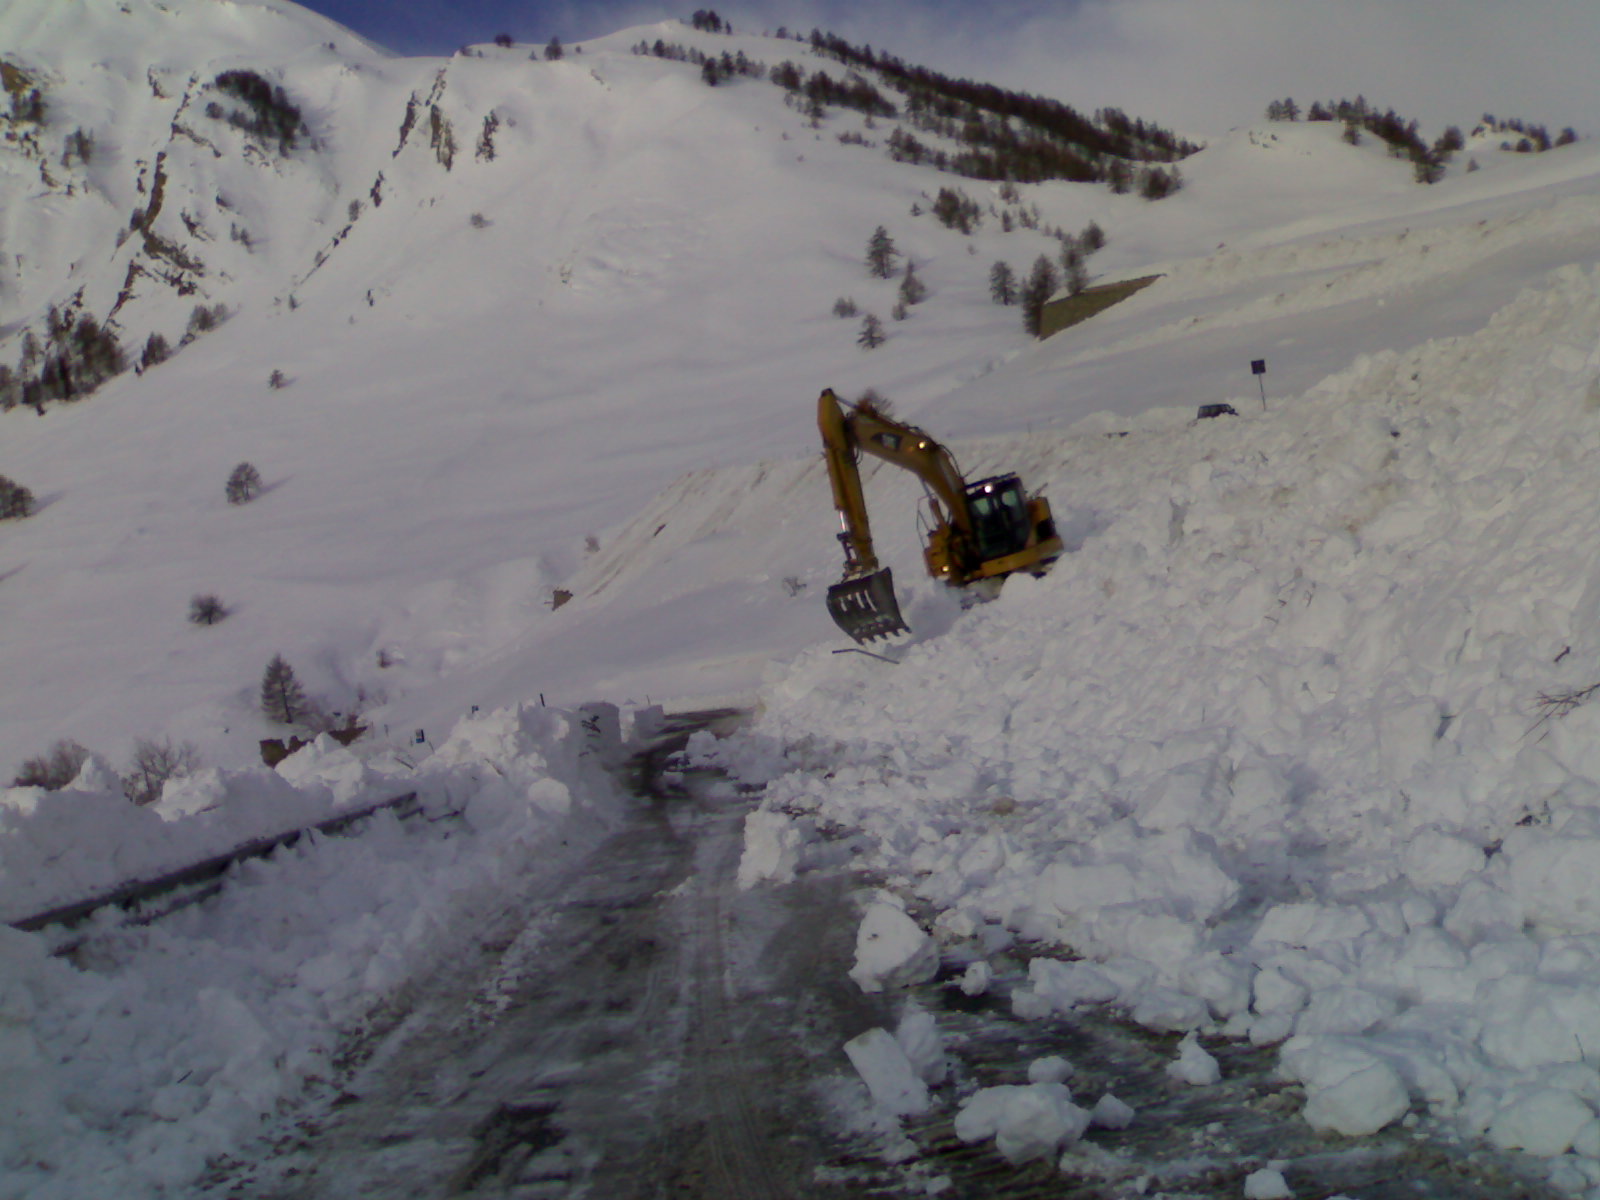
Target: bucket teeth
[865,607]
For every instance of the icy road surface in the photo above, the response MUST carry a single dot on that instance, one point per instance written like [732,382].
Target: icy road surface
[640,1028]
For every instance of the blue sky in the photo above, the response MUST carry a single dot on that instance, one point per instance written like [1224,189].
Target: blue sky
[1200,66]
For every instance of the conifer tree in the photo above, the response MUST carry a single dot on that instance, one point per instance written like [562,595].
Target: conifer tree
[1041,285]
[282,698]
[871,335]
[1002,284]
[912,289]
[1075,269]
[881,253]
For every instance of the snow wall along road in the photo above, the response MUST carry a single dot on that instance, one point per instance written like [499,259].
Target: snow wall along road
[1295,744]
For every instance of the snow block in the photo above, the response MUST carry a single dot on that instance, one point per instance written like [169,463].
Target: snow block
[1026,1122]
[1349,1089]
[1542,1121]
[772,847]
[1111,1113]
[923,1045]
[1556,883]
[1441,860]
[1266,1184]
[888,1073]
[1194,1065]
[892,950]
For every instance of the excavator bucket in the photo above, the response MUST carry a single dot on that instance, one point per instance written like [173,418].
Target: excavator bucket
[865,607]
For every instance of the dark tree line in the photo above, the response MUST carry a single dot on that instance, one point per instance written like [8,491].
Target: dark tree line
[75,357]
[1003,135]
[714,69]
[1531,139]
[1402,136]
[1054,140]
[268,112]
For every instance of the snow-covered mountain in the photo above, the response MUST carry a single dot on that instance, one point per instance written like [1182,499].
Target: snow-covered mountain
[543,325]
[510,299]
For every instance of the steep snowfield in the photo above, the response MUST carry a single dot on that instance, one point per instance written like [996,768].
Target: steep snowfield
[1266,749]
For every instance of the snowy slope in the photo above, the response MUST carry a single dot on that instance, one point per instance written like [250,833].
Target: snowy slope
[1268,731]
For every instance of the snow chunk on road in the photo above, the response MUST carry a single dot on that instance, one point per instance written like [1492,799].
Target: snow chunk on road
[1193,1065]
[772,848]
[1266,1184]
[892,950]
[1026,1122]
[975,980]
[888,1073]
[1052,1068]
[1111,1113]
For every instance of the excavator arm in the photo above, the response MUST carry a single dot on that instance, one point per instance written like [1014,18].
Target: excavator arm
[863,603]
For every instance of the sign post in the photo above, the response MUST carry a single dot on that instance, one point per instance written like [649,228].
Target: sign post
[1258,368]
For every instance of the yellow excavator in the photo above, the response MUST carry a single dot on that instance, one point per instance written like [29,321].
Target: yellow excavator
[975,531]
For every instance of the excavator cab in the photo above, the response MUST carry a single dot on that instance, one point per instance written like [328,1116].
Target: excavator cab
[1000,521]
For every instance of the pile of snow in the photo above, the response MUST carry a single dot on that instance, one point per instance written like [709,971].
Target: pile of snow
[1280,749]
[161,1047]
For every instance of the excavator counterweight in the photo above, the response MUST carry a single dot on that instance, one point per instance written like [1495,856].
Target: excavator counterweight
[983,530]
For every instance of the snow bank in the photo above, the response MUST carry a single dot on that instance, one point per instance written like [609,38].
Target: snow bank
[158,1048]
[1296,746]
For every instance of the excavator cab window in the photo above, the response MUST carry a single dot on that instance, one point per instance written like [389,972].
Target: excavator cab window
[999,516]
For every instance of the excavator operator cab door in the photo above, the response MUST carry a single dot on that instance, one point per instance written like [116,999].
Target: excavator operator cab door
[999,509]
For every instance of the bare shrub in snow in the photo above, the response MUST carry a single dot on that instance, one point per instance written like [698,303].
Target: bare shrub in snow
[844,306]
[204,319]
[206,609]
[243,485]
[1553,706]
[153,764]
[53,770]
[16,501]
[156,352]
[277,380]
[874,401]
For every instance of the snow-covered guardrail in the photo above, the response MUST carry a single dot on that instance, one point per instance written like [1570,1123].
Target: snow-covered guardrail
[206,873]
